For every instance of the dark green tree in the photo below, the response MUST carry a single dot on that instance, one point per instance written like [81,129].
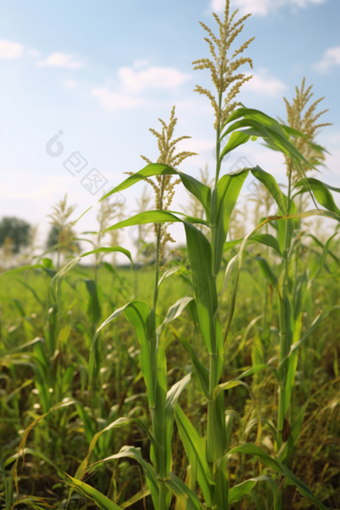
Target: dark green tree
[63,239]
[53,237]
[17,230]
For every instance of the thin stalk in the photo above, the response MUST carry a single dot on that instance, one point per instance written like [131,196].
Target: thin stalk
[162,487]
[218,142]
[284,315]
[213,361]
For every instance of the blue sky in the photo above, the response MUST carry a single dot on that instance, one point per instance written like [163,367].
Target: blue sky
[103,72]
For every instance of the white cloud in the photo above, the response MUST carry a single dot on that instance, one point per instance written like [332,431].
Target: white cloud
[330,58]
[261,7]
[113,102]
[60,60]
[9,49]
[71,84]
[262,84]
[151,77]
[133,80]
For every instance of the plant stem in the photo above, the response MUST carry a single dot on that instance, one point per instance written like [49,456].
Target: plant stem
[218,141]
[213,359]
[284,315]
[155,410]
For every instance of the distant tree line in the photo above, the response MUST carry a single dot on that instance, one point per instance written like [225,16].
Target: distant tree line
[16,232]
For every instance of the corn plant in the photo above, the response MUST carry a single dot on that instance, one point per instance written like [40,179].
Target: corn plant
[207,446]
[208,455]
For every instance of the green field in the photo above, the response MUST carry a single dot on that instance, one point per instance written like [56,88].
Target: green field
[33,381]
[201,377]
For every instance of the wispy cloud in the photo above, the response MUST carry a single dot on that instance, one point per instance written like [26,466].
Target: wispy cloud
[113,102]
[330,59]
[261,83]
[60,60]
[150,77]
[9,49]
[70,84]
[262,7]
[132,81]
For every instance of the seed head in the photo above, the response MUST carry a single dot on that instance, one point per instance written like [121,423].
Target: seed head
[304,119]
[221,67]
[163,185]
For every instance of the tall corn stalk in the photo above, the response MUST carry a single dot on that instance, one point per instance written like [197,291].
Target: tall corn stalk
[208,454]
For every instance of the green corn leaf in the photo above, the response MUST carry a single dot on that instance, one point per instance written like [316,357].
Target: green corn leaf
[221,493]
[269,129]
[149,472]
[65,403]
[229,245]
[110,249]
[119,423]
[137,313]
[246,333]
[235,140]
[288,447]
[321,191]
[101,501]
[237,260]
[253,370]
[287,360]
[169,272]
[201,371]
[267,240]
[272,186]
[319,243]
[154,217]
[199,251]
[20,269]
[251,449]
[267,271]
[57,279]
[300,296]
[35,453]
[170,404]
[137,497]
[88,422]
[228,190]
[194,446]
[177,487]
[238,492]
[94,309]
[323,258]
[174,312]
[162,428]
[197,188]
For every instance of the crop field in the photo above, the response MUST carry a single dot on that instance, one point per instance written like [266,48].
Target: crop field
[196,376]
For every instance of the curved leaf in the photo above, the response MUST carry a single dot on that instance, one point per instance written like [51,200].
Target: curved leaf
[195,187]
[174,312]
[238,492]
[321,192]
[108,250]
[194,446]
[102,501]
[149,472]
[251,449]
[177,487]
[154,217]
[201,371]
